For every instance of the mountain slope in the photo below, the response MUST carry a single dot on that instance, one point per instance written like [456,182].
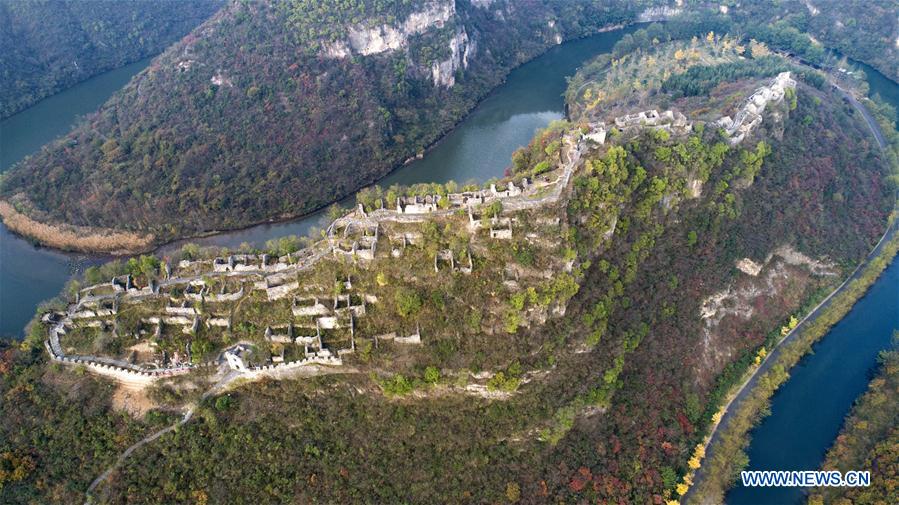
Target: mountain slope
[49,45]
[681,279]
[867,30]
[272,109]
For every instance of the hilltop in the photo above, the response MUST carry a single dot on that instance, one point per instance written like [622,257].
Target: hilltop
[46,47]
[566,334]
[273,109]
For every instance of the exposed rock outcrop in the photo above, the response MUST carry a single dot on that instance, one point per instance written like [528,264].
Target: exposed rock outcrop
[384,38]
[444,72]
[368,40]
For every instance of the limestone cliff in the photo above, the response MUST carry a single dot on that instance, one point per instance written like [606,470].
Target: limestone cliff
[366,40]
[299,97]
[372,38]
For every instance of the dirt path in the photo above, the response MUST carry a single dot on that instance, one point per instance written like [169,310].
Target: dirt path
[221,384]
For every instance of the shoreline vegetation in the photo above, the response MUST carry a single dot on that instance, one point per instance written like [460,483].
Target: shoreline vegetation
[125,242]
[869,438]
[75,238]
[567,430]
[784,36]
[206,183]
[88,39]
[96,240]
[726,449]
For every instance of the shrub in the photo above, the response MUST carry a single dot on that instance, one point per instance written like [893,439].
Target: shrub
[408,302]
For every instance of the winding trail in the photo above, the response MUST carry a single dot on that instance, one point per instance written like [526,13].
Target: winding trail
[872,123]
[221,384]
[745,389]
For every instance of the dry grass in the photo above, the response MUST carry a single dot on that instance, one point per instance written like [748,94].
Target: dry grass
[75,238]
[132,400]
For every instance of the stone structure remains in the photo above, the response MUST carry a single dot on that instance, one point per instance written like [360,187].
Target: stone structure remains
[669,120]
[597,133]
[249,263]
[501,228]
[432,203]
[411,339]
[201,293]
[187,293]
[417,204]
[750,114]
[117,370]
[314,352]
[399,241]
[309,306]
[446,258]
[355,239]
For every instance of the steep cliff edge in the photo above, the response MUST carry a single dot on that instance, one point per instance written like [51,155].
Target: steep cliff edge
[565,339]
[272,109]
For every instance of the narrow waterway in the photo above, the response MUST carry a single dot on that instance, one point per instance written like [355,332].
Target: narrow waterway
[880,85]
[808,411]
[24,133]
[478,149]
[29,274]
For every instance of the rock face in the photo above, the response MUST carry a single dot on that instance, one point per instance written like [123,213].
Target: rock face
[658,14]
[444,72]
[359,98]
[366,40]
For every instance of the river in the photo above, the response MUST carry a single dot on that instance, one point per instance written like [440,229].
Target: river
[29,274]
[479,148]
[807,411]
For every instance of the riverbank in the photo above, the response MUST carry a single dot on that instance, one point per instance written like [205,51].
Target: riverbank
[747,404]
[869,439]
[478,149]
[75,238]
[728,440]
[120,242]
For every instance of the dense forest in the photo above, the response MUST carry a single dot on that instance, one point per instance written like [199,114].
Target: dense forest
[603,404]
[198,142]
[47,46]
[866,30]
[241,121]
[629,322]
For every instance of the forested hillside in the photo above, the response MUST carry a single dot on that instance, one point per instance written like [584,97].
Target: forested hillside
[271,109]
[49,45]
[682,280]
[866,30]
